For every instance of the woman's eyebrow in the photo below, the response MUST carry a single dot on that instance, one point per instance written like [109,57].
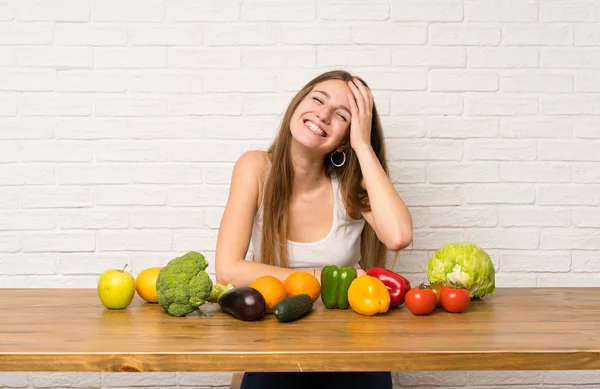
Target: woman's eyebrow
[327,95]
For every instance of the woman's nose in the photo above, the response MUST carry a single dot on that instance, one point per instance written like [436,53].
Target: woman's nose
[324,114]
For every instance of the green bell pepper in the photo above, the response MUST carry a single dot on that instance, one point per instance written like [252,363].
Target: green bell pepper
[335,281]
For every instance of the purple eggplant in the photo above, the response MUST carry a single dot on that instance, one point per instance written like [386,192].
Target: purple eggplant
[244,303]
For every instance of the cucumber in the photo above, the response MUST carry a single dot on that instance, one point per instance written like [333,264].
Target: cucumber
[293,307]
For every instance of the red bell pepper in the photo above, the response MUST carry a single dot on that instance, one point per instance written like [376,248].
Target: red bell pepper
[396,285]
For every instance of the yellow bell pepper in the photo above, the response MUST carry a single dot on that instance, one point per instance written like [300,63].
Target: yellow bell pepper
[368,296]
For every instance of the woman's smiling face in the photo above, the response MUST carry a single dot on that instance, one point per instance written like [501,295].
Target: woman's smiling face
[322,119]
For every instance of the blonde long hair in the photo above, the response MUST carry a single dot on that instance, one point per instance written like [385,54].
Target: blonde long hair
[278,187]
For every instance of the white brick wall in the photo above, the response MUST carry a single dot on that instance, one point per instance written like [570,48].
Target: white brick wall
[120,122]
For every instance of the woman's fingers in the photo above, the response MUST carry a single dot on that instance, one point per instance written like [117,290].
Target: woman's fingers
[358,96]
[353,106]
[366,93]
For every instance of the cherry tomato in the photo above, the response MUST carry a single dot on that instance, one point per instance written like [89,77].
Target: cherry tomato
[420,301]
[437,289]
[455,299]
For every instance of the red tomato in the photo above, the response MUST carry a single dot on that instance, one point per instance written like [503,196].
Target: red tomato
[437,289]
[455,299]
[420,301]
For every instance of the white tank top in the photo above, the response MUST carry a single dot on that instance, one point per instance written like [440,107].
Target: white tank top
[341,246]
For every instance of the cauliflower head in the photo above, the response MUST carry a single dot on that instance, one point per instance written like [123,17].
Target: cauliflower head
[183,285]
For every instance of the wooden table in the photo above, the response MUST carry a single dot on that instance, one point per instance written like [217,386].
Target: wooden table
[514,329]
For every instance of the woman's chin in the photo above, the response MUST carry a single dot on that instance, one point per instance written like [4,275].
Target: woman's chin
[312,146]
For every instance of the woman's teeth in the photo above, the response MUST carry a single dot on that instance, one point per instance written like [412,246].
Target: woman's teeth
[315,129]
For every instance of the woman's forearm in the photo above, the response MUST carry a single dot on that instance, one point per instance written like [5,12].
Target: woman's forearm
[391,217]
[245,272]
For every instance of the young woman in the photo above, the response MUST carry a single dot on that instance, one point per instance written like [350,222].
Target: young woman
[320,195]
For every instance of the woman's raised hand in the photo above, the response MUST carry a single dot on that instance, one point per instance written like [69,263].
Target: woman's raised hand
[361,108]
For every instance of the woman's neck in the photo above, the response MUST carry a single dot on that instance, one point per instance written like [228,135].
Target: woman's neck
[308,170]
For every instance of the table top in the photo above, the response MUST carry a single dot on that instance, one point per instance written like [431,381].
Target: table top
[514,329]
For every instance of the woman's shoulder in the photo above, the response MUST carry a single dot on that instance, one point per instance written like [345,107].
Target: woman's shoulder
[253,161]
[250,171]
[251,168]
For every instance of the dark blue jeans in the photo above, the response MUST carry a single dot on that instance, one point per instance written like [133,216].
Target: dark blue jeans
[315,380]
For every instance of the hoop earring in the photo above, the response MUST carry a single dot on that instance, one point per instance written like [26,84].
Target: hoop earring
[343,158]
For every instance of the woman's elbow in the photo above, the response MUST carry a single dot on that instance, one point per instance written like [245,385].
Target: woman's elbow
[223,277]
[399,240]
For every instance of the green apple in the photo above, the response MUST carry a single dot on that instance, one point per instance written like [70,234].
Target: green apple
[116,288]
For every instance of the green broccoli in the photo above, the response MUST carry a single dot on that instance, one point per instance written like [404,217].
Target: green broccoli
[183,285]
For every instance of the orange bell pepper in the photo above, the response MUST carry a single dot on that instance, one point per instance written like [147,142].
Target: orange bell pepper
[368,296]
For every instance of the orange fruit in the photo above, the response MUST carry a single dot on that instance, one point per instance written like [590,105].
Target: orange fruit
[301,282]
[145,284]
[271,289]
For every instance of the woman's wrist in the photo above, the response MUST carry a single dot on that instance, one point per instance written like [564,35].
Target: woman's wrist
[364,150]
[315,271]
